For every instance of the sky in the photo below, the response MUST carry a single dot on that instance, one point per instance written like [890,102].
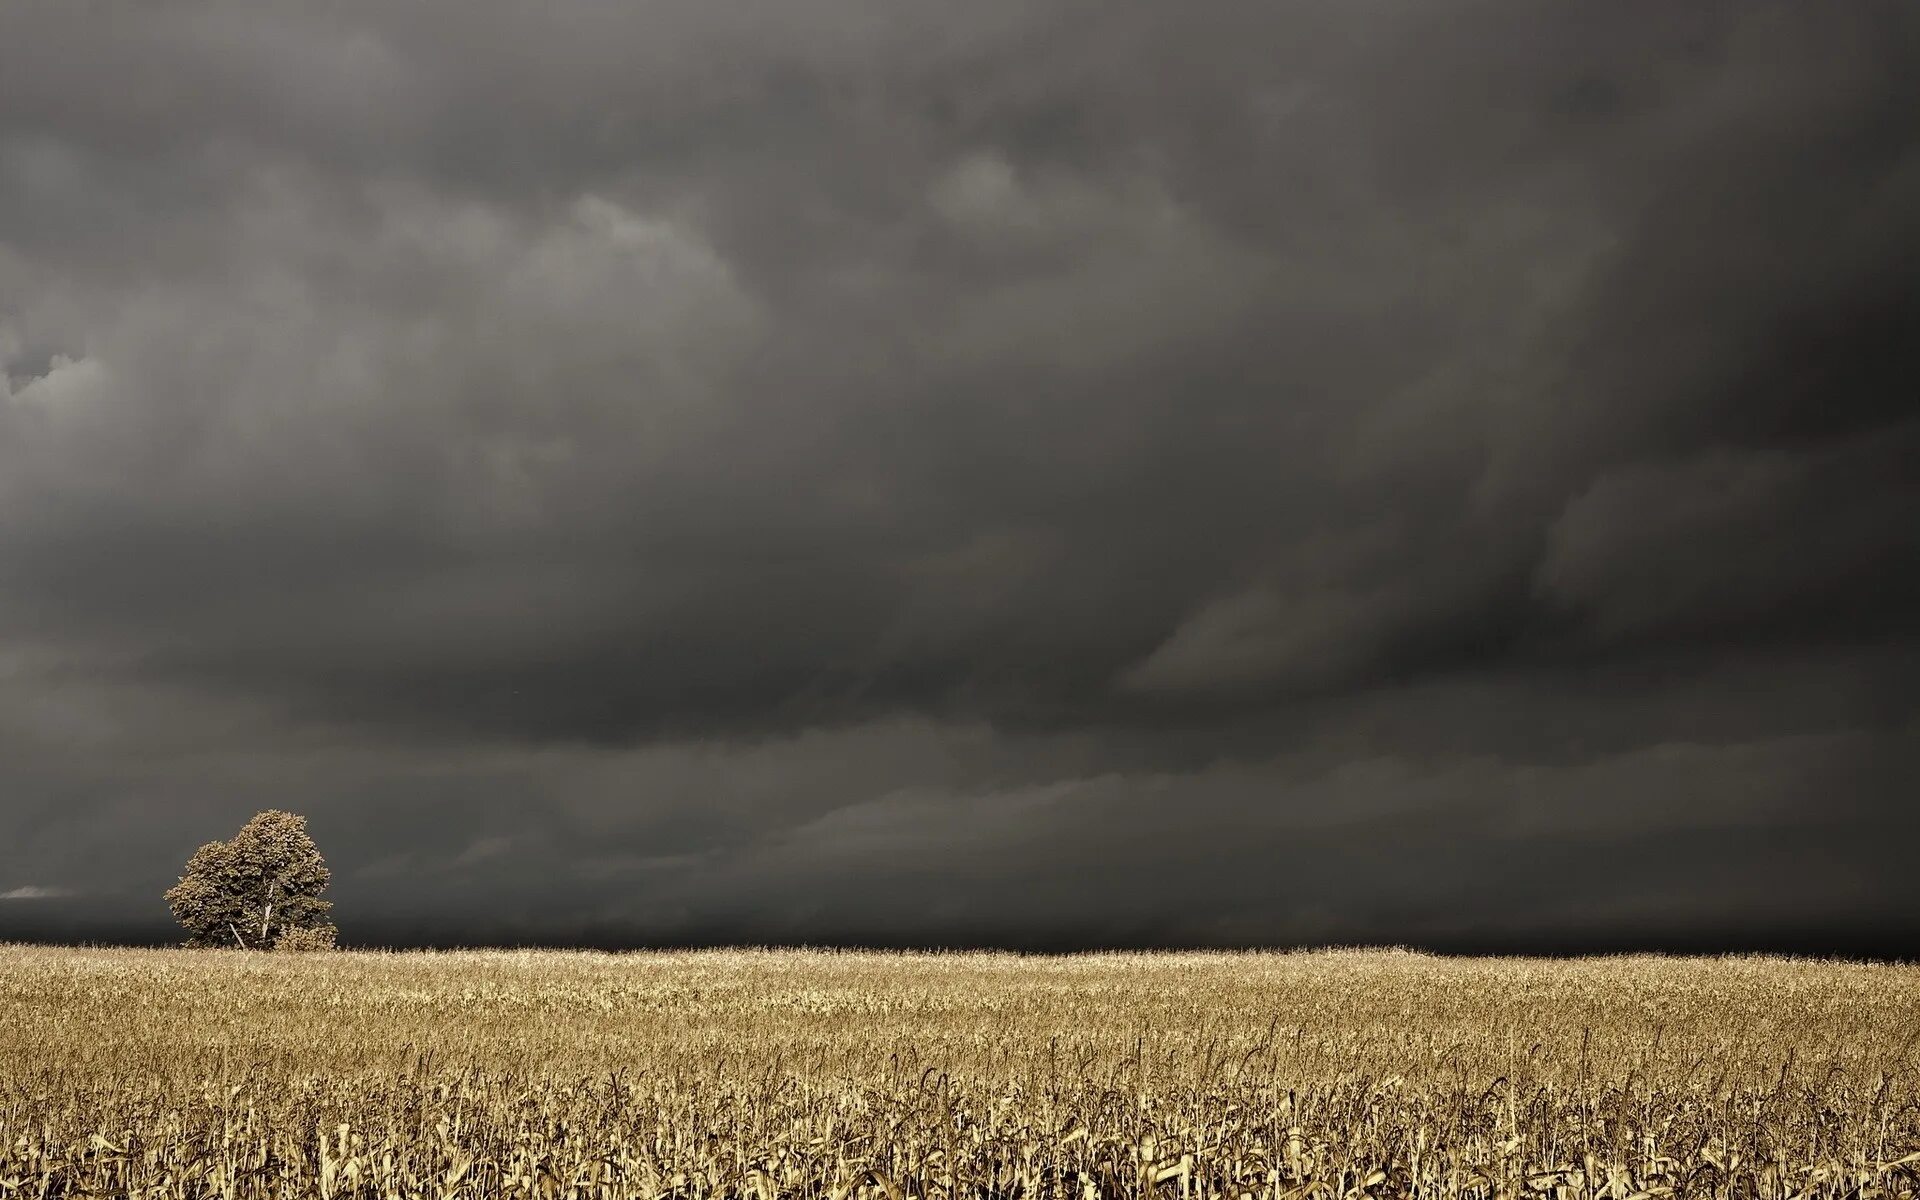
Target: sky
[1022,473]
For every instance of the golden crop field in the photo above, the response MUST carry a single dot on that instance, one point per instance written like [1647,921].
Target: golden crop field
[886,1076]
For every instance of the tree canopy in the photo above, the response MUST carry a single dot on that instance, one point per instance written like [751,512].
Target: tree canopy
[259,891]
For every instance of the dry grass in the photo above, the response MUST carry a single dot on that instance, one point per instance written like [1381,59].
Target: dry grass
[760,1074]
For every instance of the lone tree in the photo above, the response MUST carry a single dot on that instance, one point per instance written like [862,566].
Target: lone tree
[259,891]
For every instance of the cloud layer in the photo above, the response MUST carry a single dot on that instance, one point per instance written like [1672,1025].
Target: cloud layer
[1046,474]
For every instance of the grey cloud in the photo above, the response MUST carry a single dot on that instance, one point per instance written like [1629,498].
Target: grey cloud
[27,892]
[675,440]
[1796,538]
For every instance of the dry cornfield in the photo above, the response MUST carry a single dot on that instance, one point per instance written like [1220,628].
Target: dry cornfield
[160,1073]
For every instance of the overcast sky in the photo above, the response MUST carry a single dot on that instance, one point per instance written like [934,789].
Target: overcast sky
[1041,474]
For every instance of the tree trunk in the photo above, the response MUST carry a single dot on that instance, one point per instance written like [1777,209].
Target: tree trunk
[238,940]
[268,915]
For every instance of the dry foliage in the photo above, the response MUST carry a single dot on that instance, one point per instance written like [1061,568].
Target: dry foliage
[298,940]
[882,1077]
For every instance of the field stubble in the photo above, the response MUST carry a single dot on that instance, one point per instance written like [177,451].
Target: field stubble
[145,1073]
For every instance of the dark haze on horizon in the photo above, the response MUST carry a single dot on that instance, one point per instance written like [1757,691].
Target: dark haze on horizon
[1036,474]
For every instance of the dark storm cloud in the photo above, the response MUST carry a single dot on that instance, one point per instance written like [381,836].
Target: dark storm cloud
[1042,473]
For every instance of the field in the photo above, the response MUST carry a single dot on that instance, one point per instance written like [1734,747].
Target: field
[798,1073]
